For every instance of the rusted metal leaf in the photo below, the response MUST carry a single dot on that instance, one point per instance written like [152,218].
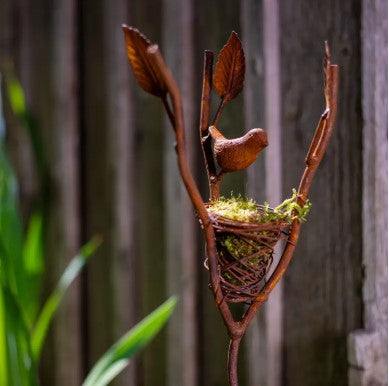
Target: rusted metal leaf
[146,74]
[229,72]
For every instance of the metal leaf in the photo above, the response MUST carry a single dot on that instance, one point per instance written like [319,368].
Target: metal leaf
[229,72]
[145,72]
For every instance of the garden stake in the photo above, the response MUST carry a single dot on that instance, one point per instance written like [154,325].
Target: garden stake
[232,279]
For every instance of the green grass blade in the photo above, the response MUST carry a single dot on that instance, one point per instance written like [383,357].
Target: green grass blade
[111,372]
[11,233]
[19,366]
[51,305]
[33,246]
[116,358]
[3,343]
[16,97]
[33,266]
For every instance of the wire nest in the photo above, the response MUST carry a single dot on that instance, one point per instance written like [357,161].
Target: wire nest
[245,253]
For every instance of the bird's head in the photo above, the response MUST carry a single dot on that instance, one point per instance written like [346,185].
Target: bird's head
[259,138]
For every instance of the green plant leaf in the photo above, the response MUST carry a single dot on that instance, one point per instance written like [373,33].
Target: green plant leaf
[17,365]
[11,233]
[3,343]
[117,357]
[16,97]
[33,266]
[51,305]
[33,248]
[111,372]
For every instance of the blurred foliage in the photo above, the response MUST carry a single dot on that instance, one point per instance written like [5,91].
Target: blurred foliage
[23,323]
[22,327]
[117,357]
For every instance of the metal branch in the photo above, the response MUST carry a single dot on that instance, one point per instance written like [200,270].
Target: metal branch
[219,111]
[205,138]
[233,354]
[315,155]
[168,109]
[194,194]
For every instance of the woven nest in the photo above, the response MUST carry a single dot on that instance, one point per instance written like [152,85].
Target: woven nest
[245,253]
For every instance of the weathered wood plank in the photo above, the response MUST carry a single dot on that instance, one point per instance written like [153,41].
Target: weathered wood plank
[63,225]
[322,285]
[182,236]
[262,100]
[112,295]
[368,351]
[150,212]
[274,159]
[254,116]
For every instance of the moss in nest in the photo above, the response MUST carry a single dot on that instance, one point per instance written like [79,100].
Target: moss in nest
[237,247]
[244,209]
[288,211]
[235,208]
[241,249]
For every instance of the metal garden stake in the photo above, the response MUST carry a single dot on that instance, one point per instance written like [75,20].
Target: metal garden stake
[232,279]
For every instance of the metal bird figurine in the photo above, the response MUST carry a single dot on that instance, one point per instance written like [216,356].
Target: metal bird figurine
[238,153]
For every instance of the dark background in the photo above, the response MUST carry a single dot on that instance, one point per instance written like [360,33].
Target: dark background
[112,170]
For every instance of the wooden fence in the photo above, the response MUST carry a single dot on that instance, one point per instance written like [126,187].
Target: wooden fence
[112,171]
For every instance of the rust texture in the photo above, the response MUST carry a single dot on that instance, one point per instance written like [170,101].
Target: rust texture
[232,278]
[241,276]
[237,154]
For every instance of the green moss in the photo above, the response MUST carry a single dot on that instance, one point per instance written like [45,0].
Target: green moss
[235,208]
[237,247]
[244,209]
[240,249]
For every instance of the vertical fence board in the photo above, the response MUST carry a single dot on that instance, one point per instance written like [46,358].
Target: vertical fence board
[181,230]
[109,188]
[322,285]
[254,116]
[273,168]
[63,219]
[262,102]
[52,62]
[96,200]
[368,350]
[150,211]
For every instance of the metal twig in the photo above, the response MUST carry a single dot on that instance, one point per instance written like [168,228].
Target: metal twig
[219,111]
[315,155]
[205,138]
[193,192]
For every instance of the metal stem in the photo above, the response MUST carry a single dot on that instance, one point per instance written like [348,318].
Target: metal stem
[191,187]
[205,138]
[233,354]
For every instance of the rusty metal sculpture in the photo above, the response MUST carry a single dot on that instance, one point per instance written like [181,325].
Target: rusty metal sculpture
[247,272]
